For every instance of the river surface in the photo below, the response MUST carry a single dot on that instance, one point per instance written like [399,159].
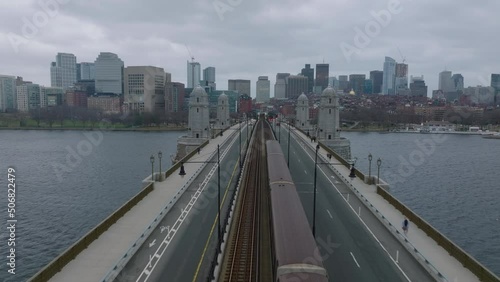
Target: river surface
[69,181]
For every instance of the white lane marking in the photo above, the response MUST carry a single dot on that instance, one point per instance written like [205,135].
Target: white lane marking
[305,171]
[355,260]
[306,150]
[163,228]
[152,243]
[329,214]
[332,176]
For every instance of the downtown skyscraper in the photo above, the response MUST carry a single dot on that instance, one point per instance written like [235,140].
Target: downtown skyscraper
[401,80]
[322,73]
[377,78]
[108,73]
[193,74]
[280,85]
[208,81]
[309,73]
[445,82]
[389,76]
[85,71]
[241,85]
[296,85]
[63,72]
[263,89]
[144,89]
[495,83]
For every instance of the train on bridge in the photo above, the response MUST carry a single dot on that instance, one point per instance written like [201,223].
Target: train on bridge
[295,254]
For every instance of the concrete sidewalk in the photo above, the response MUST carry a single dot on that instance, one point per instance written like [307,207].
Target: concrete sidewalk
[96,261]
[416,239]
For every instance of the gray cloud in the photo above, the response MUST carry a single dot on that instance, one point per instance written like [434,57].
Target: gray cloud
[254,38]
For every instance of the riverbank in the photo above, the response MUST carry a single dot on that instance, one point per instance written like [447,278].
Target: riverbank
[146,129]
[365,130]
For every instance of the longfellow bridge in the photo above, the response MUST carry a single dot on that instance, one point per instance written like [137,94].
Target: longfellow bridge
[181,226]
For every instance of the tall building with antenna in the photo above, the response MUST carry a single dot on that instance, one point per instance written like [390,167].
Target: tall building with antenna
[322,73]
[389,76]
[193,73]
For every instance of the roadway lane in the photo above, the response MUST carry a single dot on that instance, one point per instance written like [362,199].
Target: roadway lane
[351,253]
[191,250]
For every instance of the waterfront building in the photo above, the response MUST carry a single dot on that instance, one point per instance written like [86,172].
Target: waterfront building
[108,73]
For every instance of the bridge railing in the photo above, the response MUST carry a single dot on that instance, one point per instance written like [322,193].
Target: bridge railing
[464,258]
[63,259]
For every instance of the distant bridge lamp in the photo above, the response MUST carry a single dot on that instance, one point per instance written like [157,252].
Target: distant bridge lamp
[160,154]
[152,160]
[379,163]
[370,157]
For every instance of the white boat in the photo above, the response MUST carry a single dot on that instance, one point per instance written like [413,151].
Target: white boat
[495,135]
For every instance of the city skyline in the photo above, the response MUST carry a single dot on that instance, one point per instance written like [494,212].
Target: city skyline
[429,48]
[210,72]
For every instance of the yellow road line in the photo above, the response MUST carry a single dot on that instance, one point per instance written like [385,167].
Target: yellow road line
[215,222]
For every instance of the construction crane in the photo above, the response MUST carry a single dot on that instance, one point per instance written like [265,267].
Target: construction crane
[191,55]
[403,57]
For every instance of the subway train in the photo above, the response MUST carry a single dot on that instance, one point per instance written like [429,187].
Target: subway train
[295,254]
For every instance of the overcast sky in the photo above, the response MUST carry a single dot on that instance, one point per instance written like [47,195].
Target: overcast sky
[244,39]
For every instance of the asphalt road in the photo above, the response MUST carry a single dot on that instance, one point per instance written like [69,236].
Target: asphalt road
[349,248]
[190,252]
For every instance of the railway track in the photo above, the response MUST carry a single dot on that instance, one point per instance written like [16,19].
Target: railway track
[243,254]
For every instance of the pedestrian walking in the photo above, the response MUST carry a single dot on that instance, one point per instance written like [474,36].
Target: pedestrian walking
[405,226]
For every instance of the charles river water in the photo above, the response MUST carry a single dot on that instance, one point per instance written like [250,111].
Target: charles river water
[67,182]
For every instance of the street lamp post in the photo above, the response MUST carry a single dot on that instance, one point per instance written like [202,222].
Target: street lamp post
[160,154]
[314,203]
[288,161]
[370,157]
[218,198]
[182,172]
[379,163]
[239,154]
[152,159]
[279,134]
